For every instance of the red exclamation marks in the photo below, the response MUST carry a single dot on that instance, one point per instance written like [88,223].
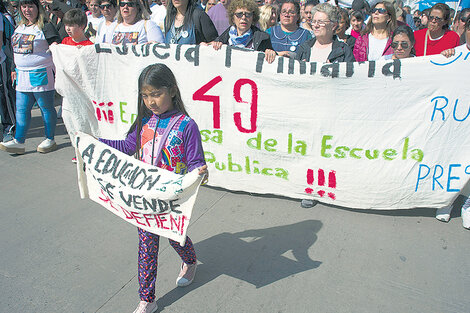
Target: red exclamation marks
[309,181]
[332,183]
[102,114]
[110,113]
[321,182]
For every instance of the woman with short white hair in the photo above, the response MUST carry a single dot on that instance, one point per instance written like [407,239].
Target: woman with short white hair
[325,46]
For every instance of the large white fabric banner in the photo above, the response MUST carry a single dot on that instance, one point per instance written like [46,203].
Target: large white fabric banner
[380,135]
[146,196]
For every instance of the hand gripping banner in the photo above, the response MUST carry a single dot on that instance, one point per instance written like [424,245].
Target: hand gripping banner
[146,196]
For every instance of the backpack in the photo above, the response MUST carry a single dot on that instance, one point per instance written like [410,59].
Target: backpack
[8,30]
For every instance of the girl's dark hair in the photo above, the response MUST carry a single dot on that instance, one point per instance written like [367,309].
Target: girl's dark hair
[391,24]
[171,14]
[344,14]
[358,15]
[296,6]
[157,76]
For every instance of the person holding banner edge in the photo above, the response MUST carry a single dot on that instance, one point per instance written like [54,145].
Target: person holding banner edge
[243,15]
[162,128]
[436,37]
[443,214]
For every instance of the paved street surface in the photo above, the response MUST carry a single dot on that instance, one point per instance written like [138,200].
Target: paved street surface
[59,253]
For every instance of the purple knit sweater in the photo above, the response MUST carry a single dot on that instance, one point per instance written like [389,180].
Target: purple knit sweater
[191,141]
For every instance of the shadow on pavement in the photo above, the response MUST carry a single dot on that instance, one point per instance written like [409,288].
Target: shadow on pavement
[255,256]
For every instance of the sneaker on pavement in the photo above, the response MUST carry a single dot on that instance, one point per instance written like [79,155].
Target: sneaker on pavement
[308,203]
[443,214]
[146,307]
[466,218]
[47,145]
[12,146]
[74,160]
[187,273]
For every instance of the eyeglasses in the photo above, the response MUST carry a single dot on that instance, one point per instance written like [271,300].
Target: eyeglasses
[129,4]
[404,44]
[288,12]
[379,10]
[463,19]
[106,6]
[435,18]
[319,23]
[241,14]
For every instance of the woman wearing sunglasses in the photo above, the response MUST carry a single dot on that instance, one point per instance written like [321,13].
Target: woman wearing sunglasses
[436,37]
[186,23]
[108,8]
[459,23]
[134,25]
[375,41]
[403,41]
[243,15]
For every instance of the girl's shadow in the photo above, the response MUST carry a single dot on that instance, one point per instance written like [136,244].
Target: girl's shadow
[255,256]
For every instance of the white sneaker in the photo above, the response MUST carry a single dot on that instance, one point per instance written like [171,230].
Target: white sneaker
[443,214]
[12,146]
[146,307]
[47,145]
[466,218]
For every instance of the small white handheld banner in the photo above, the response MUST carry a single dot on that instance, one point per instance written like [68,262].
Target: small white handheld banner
[146,196]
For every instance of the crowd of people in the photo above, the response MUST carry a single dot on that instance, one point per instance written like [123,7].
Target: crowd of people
[311,30]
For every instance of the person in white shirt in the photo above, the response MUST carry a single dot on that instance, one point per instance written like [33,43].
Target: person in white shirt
[34,75]
[95,18]
[109,9]
[159,14]
[134,25]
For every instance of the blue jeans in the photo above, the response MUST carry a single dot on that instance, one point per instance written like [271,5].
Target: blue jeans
[24,104]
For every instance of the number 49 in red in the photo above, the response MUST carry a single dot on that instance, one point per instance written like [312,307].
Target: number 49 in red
[200,95]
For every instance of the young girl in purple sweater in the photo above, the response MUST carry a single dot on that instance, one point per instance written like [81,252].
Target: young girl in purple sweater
[164,135]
